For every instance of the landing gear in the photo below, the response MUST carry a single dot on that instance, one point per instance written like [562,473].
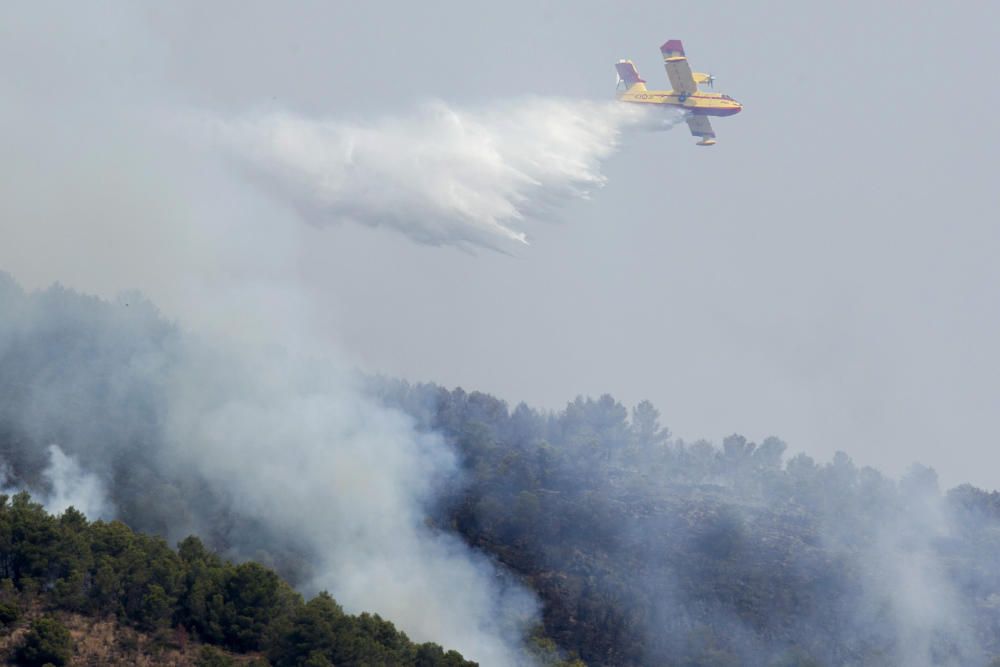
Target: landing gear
[682,98]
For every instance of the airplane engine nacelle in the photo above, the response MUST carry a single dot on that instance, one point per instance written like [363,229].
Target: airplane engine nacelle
[703,78]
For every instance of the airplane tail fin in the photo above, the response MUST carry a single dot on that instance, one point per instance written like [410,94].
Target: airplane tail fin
[672,48]
[628,76]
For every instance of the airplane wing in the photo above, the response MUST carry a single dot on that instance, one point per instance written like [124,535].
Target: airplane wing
[678,69]
[701,127]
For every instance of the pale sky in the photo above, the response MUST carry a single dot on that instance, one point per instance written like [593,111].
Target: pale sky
[827,273]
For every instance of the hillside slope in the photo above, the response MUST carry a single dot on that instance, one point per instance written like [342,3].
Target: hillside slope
[72,591]
[642,548]
[649,550]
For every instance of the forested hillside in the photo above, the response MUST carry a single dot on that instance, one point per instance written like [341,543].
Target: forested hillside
[53,569]
[649,550]
[642,549]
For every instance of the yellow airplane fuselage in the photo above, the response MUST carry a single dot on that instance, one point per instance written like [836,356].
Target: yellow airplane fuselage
[700,103]
[684,93]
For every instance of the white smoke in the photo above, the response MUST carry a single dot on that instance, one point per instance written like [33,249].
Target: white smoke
[441,175]
[297,446]
[908,583]
[72,486]
[280,440]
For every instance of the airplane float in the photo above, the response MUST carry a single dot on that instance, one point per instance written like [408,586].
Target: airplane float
[685,95]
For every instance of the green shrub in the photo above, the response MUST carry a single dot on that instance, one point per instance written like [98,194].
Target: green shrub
[9,613]
[47,642]
[213,657]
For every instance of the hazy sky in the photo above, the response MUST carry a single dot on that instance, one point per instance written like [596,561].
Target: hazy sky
[827,273]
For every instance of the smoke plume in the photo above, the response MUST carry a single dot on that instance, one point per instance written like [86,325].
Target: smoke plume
[63,484]
[296,445]
[272,453]
[73,487]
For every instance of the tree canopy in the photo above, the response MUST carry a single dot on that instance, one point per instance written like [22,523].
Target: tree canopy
[66,563]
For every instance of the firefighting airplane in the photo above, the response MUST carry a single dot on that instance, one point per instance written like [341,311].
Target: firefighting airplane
[685,94]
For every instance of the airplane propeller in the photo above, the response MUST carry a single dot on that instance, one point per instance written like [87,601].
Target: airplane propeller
[711,82]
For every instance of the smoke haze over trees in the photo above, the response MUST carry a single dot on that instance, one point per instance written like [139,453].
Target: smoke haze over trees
[640,548]
[809,278]
[263,454]
[649,550]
